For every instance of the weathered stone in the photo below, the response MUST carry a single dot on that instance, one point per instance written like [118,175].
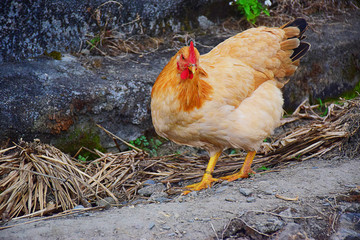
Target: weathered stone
[106,202]
[150,189]
[28,29]
[293,231]
[250,199]
[246,191]
[270,226]
[348,227]
[62,100]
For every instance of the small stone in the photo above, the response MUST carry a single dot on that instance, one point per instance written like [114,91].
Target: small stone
[204,22]
[230,199]
[85,51]
[151,225]
[79,207]
[269,192]
[193,194]
[250,199]
[150,189]
[166,227]
[149,182]
[270,226]
[271,219]
[221,189]
[159,197]
[106,202]
[246,191]
[292,231]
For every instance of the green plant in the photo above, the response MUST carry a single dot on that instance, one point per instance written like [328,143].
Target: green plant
[251,9]
[263,168]
[82,158]
[233,151]
[151,146]
[322,108]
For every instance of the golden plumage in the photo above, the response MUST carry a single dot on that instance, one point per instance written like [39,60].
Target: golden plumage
[230,97]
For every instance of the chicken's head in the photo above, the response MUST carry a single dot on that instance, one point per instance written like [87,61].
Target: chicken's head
[187,61]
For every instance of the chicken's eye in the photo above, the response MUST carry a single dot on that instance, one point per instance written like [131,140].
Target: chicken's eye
[182,57]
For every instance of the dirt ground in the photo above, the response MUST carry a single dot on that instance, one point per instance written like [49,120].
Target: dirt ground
[315,191]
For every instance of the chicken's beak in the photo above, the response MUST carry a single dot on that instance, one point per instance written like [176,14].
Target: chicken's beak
[192,68]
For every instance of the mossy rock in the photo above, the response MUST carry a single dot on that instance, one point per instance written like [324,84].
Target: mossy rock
[73,141]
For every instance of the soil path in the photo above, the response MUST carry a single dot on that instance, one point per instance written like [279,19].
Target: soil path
[204,215]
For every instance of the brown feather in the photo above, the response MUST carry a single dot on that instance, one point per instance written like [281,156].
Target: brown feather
[290,44]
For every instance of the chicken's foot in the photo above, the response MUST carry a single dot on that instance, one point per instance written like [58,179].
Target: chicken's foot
[245,169]
[207,179]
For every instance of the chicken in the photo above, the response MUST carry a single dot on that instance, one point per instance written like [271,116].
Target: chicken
[229,97]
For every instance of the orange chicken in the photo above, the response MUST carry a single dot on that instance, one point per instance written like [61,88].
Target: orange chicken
[229,97]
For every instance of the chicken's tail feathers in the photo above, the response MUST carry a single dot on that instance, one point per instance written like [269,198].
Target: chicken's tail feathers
[300,51]
[294,31]
[300,23]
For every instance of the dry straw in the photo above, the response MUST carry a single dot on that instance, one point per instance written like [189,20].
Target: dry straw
[38,179]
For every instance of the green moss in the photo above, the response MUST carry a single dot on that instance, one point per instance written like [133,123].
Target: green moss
[73,141]
[54,54]
[352,93]
[350,73]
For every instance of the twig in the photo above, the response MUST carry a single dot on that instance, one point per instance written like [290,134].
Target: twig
[212,226]
[7,149]
[37,173]
[123,141]
[287,198]
[254,229]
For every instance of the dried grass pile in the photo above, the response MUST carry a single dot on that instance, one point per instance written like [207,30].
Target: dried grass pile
[38,179]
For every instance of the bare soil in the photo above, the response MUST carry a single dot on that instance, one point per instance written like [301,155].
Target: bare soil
[314,189]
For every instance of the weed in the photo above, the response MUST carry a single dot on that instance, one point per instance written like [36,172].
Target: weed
[151,146]
[251,9]
[322,108]
[263,168]
[233,151]
[82,158]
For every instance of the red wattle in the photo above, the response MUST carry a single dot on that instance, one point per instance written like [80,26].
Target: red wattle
[185,74]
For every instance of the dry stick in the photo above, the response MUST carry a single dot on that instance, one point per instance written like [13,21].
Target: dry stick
[100,184]
[114,136]
[212,226]
[7,149]
[33,172]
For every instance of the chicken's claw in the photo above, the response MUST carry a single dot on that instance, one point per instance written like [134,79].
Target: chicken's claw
[206,182]
[245,169]
[238,175]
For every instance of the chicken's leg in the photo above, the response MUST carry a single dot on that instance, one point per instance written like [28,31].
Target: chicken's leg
[207,179]
[245,169]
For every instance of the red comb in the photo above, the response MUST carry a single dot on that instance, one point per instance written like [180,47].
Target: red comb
[192,56]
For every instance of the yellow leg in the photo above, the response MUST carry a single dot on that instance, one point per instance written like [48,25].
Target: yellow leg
[207,179]
[245,169]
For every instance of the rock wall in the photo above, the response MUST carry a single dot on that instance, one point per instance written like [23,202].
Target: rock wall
[61,101]
[29,28]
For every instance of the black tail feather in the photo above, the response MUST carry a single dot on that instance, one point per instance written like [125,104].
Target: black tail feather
[299,23]
[301,50]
